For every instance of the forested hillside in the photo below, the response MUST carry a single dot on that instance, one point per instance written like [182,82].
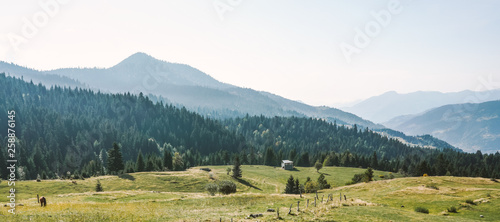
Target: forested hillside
[60,130]
[65,132]
[307,141]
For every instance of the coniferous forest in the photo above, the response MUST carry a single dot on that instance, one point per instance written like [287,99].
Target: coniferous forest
[62,133]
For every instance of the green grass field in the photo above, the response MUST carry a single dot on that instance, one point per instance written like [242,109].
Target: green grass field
[180,196]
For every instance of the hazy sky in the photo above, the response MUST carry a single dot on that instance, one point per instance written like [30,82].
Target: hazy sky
[318,52]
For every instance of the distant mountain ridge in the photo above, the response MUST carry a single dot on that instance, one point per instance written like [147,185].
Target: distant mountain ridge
[38,76]
[469,126]
[188,86]
[184,85]
[387,106]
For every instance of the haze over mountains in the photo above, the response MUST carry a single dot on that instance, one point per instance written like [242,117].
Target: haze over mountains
[189,87]
[387,106]
[186,86]
[468,126]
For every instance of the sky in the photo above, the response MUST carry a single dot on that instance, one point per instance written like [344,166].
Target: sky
[320,52]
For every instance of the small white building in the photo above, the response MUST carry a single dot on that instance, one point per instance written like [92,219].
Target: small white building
[287,164]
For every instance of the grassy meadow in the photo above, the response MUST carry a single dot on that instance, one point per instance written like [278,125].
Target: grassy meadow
[180,196]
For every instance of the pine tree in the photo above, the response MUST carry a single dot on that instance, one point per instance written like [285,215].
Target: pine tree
[115,160]
[167,160]
[236,167]
[296,187]
[289,189]
[368,175]
[140,165]
[374,160]
[322,183]
[150,165]
[269,159]
[98,187]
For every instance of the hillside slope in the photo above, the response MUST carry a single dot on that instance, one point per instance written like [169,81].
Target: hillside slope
[179,196]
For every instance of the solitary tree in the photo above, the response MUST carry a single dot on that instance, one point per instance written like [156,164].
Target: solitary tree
[318,166]
[115,160]
[98,187]
[236,167]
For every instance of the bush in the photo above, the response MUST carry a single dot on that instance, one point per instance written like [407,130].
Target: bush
[311,187]
[211,188]
[469,201]
[452,210]
[227,187]
[422,210]
[391,176]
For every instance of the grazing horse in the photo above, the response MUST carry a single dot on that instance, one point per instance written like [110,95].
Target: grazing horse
[43,202]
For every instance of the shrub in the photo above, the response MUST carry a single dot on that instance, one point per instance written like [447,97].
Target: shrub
[469,201]
[211,188]
[227,187]
[452,210]
[311,187]
[422,210]
[391,176]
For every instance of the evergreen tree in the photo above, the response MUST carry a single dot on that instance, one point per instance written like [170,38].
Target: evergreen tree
[374,160]
[296,187]
[140,165]
[167,160]
[289,189]
[236,167]
[178,162]
[322,183]
[368,175]
[269,159]
[150,164]
[115,161]
[98,187]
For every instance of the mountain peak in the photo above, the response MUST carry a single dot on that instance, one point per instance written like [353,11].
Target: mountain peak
[139,58]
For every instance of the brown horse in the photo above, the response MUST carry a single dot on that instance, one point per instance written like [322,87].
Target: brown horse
[43,202]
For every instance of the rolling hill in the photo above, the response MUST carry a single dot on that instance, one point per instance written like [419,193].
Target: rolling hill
[180,196]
